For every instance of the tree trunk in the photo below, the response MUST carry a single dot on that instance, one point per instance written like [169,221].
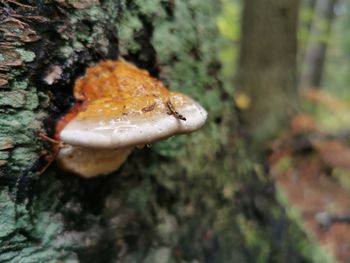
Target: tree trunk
[183,199]
[315,53]
[267,72]
[151,210]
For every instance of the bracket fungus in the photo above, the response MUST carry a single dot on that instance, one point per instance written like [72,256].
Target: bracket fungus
[119,107]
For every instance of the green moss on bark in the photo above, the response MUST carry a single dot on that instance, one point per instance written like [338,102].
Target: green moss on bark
[173,201]
[32,235]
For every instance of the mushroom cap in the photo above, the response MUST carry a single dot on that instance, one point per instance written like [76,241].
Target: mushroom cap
[120,106]
[123,106]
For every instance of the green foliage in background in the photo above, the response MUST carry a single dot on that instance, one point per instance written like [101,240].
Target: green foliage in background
[306,16]
[229,24]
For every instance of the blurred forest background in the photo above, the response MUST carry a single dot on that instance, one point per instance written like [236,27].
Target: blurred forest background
[266,179]
[310,159]
[322,54]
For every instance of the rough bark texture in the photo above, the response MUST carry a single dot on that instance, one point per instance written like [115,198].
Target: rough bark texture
[183,199]
[267,72]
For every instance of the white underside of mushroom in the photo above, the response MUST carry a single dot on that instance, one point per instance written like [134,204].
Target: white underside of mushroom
[131,131]
[100,147]
[90,162]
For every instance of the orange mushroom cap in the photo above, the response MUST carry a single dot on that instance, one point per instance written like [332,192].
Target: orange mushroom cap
[121,106]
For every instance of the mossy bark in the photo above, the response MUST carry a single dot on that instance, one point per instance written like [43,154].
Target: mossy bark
[183,199]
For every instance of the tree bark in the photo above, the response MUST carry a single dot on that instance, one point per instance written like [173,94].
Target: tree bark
[267,71]
[183,199]
[151,210]
[315,53]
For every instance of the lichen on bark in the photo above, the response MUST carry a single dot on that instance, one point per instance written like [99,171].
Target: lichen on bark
[136,201]
[176,200]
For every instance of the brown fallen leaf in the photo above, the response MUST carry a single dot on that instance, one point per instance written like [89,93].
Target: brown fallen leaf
[332,103]
[333,153]
[302,123]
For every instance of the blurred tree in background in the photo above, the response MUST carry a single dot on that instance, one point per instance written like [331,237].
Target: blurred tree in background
[267,65]
[322,13]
